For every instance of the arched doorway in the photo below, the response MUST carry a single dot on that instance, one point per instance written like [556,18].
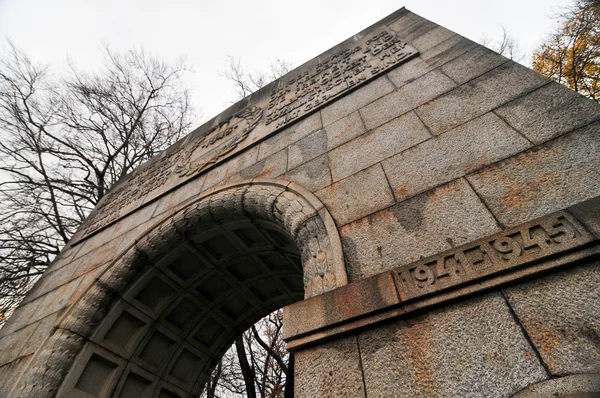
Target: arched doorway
[162,315]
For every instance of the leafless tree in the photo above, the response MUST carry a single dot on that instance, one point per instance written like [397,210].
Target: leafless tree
[65,140]
[245,83]
[507,46]
[256,365]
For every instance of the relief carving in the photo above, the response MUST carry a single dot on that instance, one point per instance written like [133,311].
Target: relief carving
[508,250]
[308,91]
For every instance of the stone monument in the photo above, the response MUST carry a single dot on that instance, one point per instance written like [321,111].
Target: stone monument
[427,210]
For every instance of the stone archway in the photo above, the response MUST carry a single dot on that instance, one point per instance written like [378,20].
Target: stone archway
[157,320]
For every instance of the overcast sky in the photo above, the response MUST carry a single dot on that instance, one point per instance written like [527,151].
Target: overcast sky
[206,32]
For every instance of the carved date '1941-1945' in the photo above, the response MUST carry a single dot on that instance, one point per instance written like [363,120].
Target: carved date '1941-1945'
[507,250]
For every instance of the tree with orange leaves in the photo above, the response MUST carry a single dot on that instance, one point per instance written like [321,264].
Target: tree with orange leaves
[571,55]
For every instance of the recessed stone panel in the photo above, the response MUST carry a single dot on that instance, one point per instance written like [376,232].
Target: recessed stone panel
[135,386]
[125,329]
[96,376]
[186,366]
[155,293]
[157,349]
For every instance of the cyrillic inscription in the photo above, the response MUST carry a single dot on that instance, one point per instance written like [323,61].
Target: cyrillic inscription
[499,253]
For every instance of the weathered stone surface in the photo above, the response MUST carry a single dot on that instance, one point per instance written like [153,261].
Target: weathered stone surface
[550,111]
[554,176]
[421,357]
[170,202]
[560,313]
[344,130]
[432,38]
[385,141]
[21,317]
[429,60]
[340,305]
[588,213]
[312,175]
[580,386]
[8,372]
[473,64]
[419,227]
[479,96]
[12,345]
[447,50]
[467,148]
[406,98]
[307,149]
[356,100]
[290,135]
[273,166]
[411,26]
[358,195]
[329,370]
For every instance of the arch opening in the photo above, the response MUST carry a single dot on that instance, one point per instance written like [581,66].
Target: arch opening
[161,317]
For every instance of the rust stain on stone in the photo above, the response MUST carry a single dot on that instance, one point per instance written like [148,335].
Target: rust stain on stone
[544,339]
[418,337]
[265,173]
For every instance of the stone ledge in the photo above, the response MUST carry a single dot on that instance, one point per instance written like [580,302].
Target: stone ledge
[551,242]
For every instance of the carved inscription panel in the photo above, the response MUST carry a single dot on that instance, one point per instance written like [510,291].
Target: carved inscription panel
[336,75]
[307,90]
[503,252]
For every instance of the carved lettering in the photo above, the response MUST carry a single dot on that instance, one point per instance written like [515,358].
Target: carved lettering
[487,257]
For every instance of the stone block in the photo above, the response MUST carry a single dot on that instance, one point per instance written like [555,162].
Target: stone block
[56,300]
[12,344]
[313,175]
[479,96]
[273,166]
[8,372]
[215,177]
[345,303]
[447,50]
[588,213]
[357,99]
[50,281]
[406,98]
[471,349]
[385,141]
[472,64]
[429,223]
[191,189]
[560,314]
[557,175]
[575,386]
[288,136]
[344,130]
[307,149]
[42,331]
[432,38]
[429,60]
[357,196]
[411,26]
[22,316]
[329,370]
[467,148]
[550,111]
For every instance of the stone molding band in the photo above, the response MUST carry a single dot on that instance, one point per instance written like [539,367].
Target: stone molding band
[547,243]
